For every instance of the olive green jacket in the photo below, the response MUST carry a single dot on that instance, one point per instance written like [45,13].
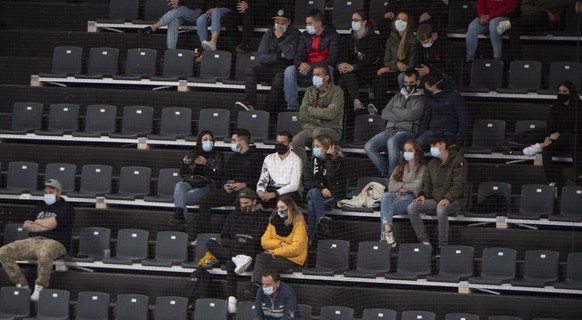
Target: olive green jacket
[328,113]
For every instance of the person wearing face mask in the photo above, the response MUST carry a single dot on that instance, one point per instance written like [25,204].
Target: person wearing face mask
[360,59]
[325,181]
[444,189]
[322,111]
[240,240]
[201,170]
[49,225]
[318,46]
[276,52]
[422,11]
[276,300]
[402,115]
[403,186]
[240,171]
[284,242]
[281,172]
[399,56]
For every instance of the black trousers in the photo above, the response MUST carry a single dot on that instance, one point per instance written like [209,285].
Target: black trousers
[224,255]
[563,145]
[265,261]
[264,73]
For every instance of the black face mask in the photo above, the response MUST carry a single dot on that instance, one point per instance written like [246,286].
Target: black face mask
[562,98]
[410,88]
[247,209]
[281,148]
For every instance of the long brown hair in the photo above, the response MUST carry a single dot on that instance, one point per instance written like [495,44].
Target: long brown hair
[401,53]
[326,142]
[418,160]
[294,214]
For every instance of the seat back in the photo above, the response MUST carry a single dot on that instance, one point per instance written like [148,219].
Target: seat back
[302,7]
[215,64]
[574,267]
[461,13]
[373,256]
[96,178]
[336,313]
[243,61]
[457,260]
[53,304]
[488,133]
[416,315]
[100,118]
[305,311]
[93,241]
[289,121]
[565,70]
[123,9]
[92,305]
[377,10]
[378,314]
[131,307]
[256,121]
[333,254]
[27,116]
[176,121]
[178,63]
[414,258]
[366,126]
[215,120]
[526,125]
[132,243]
[541,265]
[167,180]
[103,60]
[525,74]
[536,199]
[65,173]
[503,318]
[22,175]
[342,12]
[210,309]
[135,181]
[171,308]
[461,316]
[63,117]
[498,262]
[137,120]
[15,302]
[154,9]
[201,240]
[571,200]
[171,245]
[67,60]
[244,310]
[13,232]
[486,73]
[141,62]
[494,188]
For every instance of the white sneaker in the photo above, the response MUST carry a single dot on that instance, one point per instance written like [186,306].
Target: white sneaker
[209,45]
[358,105]
[532,150]
[36,294]
[503,26]
[243,106]
[20,285]
[372,109]
[389,235]
[242,263]
[232,304]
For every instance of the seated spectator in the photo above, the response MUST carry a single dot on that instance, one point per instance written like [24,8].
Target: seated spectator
[182,11]
[422,11]
[284,242]
[276,300]
[240,240]
[360,59]
[276,52]
[201,171]
[215,13]
[445,112]
[403,187]
[444,189]
[240,171]
[324,179]
[399,56]
[318,45]
[402,114]
[50,225]
[321,112]
[490,13]
[281,172]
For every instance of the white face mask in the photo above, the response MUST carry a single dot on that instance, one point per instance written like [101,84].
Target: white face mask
[311,30]
[427,45]
[50,199]
[408,156]
[356,26]
[400,25]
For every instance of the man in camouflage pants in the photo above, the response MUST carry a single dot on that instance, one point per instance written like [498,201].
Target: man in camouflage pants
[47,241]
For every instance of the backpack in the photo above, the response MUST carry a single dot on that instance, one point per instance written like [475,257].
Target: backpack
[198,285]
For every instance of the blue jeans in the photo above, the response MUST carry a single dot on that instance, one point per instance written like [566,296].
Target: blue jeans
[292,79]
[391,141]
[202,22]
[393,204]
[475,29]
[174,19]
[315,208]
[185,195]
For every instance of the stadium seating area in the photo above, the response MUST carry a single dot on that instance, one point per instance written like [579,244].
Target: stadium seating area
[77,104]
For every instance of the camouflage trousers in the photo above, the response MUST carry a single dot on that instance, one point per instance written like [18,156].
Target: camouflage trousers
[42,249]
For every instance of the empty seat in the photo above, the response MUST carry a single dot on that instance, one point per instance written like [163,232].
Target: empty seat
[92,305]
[22,177]
[214,67]
[178,64]
[455,264]
[342,12]
[140,63]
[365,127]
[93,241]
[137,121]
[244,310]
[497,266]
[503,318]
[336,313]
[377,10]
[378,314]
[573,273]
[287,121]
[461,316]
[100,120]
[243,61]
[211,309]
[175,123]
[305,311]
[373,260]
[131,307]
[527,125]
[524,76]
[67,61]
[26,117]
[13,232]
[167,179]
[121,10]
[560,71]
[14,302]
[418,315]
[65,173]
[256,121]
[493,198]
[302,8]
[171,248]
[103,61]
[134,182]
[63,118]
[461,13]
[201,240]
[131,247]
[95,181]
[540,269]
[332,257]
[486,75]
[488,135]
[153,10]
[570,205]
[413,262]
[215,120]
[53,304]
[537,200]
[171,308]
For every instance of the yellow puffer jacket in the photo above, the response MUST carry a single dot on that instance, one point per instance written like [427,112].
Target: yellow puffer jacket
[296,251]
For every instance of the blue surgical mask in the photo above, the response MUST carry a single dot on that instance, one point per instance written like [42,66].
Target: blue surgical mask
[207,146]
[50,199]
[268,290]
[400,25]
[282,27]
[408,156]
[356,26]
[234,147]
[317,81]
[435,152]
[311,30]
[317,152]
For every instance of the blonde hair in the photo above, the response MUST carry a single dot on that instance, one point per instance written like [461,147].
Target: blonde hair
[294,215]
[401,53]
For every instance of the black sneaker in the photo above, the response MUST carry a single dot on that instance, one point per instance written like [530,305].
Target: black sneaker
[243,106]
[242,48]
[147,30]
[251,290]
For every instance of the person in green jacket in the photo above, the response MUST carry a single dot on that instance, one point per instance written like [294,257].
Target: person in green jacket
[322,111]
[444,189]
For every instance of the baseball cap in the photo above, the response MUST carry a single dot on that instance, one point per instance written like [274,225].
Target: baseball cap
[282,14]
[247,193]
[53,183]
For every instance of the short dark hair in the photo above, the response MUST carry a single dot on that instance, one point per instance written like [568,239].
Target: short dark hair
[286,134]
[273,273]
[434,78]
[322,67]
[438,138]
[412,72]
[243,134]
[316,15]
